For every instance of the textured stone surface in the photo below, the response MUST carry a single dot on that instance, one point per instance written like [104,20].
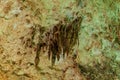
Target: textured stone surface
[16,59]
[99,39]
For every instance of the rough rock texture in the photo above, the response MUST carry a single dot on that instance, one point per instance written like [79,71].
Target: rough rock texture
[17,55]
[98,52]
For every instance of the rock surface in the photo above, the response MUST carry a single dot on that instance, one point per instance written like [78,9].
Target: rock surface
[17,17]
